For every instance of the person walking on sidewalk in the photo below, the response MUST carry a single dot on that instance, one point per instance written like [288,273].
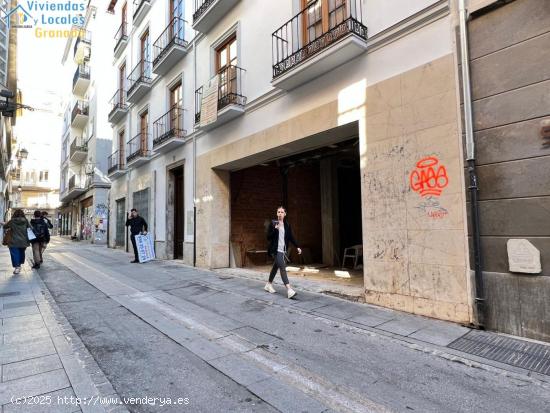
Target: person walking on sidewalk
[137,225]
[49,226]
[40,229]
[18,240]
[279,235]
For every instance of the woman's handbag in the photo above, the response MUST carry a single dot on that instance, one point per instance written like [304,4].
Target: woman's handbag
[6,239]
[30,234]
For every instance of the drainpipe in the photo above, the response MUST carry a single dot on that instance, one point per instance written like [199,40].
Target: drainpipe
[470,158]
[194,155]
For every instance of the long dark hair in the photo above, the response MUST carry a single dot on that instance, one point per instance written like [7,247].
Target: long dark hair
[18,213]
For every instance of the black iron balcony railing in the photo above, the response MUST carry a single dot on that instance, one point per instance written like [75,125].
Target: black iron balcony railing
[141,73]
[169,125]
[230,83]
[200,7]
[172,35]
[118,101]
[138,4]
[85,36]
[313,30]
[81,107]
[121,34]
[76,182]
[115,162]
[138,147]
[78,145]
[82,72]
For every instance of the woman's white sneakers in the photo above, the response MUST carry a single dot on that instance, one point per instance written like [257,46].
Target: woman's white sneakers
[269,288]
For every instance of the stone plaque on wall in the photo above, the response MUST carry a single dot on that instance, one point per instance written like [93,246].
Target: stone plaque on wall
[523,256]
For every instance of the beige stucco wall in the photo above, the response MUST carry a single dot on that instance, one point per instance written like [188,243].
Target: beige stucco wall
[415,258]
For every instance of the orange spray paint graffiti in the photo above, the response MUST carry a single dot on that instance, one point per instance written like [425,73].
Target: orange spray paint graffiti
[429,178]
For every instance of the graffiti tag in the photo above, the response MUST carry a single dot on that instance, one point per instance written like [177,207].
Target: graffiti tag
[429,178]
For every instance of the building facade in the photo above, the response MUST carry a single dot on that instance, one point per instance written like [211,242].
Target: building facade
[86,137]
[8,81]
[152,115]
[346,112]
[509,50]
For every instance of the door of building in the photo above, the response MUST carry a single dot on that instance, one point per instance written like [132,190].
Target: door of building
[176,115]
[178,214]
[86,219]
[121,151]
[120,222]
[226,63]
[143,126]
[320,16]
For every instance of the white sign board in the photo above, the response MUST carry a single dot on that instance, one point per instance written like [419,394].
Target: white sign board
[209,104]
[145,247]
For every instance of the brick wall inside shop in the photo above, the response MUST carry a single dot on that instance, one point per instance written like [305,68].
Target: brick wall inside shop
[255,194]
[304,209]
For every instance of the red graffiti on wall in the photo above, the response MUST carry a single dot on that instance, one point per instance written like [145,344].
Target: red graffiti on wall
[429,177]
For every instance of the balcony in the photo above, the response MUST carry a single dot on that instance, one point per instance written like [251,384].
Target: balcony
[79,150]
[141,8]
[119,108]
[116,165]
[168,131]
[76,187]
[138,150]
[209,12]
[82,51]
[121,39]
[314,42]
[80,114]
[139,82]
[170,47]
[81,80]
[220,101]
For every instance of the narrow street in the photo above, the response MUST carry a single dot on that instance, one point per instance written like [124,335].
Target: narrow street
[166,330]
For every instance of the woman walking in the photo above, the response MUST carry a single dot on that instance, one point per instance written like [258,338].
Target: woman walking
[279,235]
[18,240]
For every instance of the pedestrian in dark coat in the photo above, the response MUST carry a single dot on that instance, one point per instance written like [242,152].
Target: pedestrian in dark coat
[19,240]
[279,235]
[40,229]
[50,226]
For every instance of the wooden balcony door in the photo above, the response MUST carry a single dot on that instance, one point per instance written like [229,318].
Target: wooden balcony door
[124,14]
[121,151]
[321,16]
[226,62]
[176,26]
[145,54]
[121,83]
[176,111]
[143,127]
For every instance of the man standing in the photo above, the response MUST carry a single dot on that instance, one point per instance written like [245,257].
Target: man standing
[47,238]
[137,226]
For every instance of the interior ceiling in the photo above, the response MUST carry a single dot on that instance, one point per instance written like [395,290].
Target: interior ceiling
[312,147]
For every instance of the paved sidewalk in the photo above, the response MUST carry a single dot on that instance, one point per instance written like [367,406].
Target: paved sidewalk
[44,365]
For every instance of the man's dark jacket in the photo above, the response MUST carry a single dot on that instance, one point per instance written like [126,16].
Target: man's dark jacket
[136,225]
[49,226]
[40,229]
[273,238]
